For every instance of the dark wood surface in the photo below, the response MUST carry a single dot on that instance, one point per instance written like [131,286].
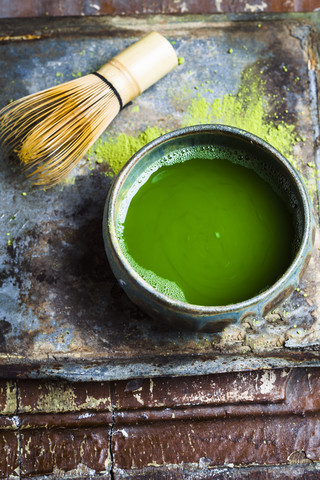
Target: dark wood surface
[36,8]
[259,425]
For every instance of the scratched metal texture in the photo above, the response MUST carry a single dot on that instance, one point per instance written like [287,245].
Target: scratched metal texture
[62,313]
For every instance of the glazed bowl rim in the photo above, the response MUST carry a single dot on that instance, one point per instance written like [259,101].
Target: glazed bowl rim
[109,222]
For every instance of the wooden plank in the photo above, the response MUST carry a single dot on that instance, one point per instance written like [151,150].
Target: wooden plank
[31,8]
[261,424]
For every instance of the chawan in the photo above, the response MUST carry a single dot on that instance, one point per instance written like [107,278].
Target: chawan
[245,153]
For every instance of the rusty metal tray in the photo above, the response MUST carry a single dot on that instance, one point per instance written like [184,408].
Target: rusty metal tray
[62,313]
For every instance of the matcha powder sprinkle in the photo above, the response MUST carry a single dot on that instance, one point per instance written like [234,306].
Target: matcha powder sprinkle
[246,109]
[117,151]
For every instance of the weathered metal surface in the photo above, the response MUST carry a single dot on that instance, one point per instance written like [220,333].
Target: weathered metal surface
[257,425]
[62,312]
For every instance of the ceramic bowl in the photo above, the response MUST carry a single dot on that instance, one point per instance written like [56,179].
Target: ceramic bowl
[280,172]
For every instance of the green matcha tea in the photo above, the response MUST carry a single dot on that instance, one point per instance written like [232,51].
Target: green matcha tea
[206,231]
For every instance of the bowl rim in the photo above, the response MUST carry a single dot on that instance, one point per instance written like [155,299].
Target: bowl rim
[109,221]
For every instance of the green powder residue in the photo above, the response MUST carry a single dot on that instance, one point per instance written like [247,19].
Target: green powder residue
[117,151]
[248,110]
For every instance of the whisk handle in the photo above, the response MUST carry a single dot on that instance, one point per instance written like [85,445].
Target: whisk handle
[139,66]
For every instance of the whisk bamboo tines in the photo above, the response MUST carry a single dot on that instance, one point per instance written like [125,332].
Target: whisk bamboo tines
[50,131]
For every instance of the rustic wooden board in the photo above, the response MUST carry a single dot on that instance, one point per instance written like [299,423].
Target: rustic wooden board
[28,8]
[249,425]
[62,312]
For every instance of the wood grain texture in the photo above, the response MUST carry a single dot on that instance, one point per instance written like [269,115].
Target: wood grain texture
[39,8]
[208,427]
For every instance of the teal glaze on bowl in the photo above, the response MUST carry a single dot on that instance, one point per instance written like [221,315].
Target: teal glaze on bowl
[269,162]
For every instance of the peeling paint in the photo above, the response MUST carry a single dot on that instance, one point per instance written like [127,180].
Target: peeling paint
[190,442]
[151,386]
[95,6]
[94,402]
[137,396]
[258,7]
[268,380]
[81,470]
[27,446]
[86,415]
[153,464]
[218,6]
[10,398]
[60,397]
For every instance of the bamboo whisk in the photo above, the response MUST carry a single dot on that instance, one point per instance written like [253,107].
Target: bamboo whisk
[50,131]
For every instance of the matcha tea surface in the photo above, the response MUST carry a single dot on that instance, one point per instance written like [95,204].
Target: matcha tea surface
[207,231]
